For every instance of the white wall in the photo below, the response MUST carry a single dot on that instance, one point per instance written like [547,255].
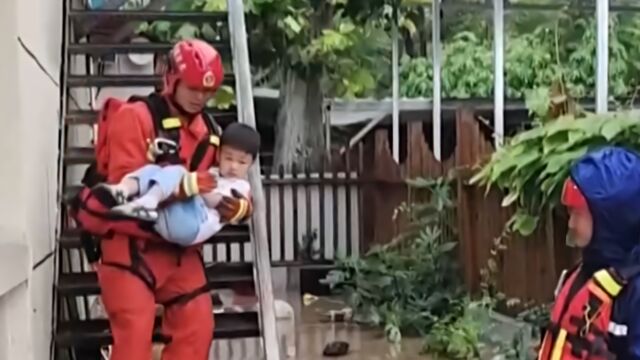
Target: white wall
[30,38]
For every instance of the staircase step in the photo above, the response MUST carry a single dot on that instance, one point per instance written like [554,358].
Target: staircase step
[124,80]
[95,333]
[232,234]
[89,117]
[151,15]
[221,275]
[79,155]
[138,48]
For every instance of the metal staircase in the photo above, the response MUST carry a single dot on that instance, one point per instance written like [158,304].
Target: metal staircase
[79,334]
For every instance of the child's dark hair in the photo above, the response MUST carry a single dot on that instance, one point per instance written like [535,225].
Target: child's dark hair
[242,137]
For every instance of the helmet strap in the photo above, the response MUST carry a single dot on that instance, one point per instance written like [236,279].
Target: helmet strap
[181,111]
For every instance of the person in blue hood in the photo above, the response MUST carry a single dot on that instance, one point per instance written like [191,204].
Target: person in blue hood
[596,314]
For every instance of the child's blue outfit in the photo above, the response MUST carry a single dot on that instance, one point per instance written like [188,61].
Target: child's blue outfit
[189,221]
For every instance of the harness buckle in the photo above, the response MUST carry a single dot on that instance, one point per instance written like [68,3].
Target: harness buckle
[588,320]
[162,146]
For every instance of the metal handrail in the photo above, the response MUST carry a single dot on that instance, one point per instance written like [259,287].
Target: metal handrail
[149,15]
[262,263]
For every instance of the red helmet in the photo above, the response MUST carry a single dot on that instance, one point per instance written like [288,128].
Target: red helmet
[196,63]
[572,197]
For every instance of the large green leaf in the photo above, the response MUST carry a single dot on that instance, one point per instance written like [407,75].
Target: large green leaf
[533,165]
[614,126]
[523,223]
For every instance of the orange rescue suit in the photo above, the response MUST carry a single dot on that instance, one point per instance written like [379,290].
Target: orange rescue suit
[136,274]
[580,318]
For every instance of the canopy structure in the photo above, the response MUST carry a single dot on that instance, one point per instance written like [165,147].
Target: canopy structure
[498,7]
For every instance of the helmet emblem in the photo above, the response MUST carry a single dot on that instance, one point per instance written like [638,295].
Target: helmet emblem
[209,79]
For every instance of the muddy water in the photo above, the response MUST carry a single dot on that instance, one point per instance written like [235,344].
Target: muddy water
[364,344]
[312,332]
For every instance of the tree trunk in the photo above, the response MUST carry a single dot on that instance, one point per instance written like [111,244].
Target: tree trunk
[299,128]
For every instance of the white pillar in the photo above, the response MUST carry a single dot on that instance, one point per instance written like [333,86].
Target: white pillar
[395,70]
[498,71]
[436,42]
[602,56]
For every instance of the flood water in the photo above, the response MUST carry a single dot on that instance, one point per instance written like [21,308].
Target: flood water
[312,332]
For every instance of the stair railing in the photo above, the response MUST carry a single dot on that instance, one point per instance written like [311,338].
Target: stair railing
[262,261]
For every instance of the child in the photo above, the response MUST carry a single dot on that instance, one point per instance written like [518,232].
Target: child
[195,219]
[595,314]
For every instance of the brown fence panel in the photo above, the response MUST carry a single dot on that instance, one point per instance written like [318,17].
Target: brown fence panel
[383,191]
[528,269]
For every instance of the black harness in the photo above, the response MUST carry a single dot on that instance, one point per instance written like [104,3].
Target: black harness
[165,149]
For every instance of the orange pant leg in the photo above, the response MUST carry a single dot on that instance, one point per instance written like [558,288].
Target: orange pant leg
[130,306]
[190,324]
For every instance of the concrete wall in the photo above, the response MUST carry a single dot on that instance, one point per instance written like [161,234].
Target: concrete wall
[30,38]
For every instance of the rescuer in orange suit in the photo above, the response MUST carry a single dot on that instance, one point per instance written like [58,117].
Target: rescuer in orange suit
[136,274]
[596,313]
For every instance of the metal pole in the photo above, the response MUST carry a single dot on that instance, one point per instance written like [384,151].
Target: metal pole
[602,56]
[326,112]
[396,88]
[261,259]
[498,71]
[436,42]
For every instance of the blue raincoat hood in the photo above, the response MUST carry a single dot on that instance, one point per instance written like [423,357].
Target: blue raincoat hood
[609,179]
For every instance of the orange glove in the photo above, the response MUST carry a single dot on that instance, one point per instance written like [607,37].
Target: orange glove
[197,182]
[234,209]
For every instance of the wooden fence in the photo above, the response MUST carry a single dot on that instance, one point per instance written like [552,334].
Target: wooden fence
[527,269]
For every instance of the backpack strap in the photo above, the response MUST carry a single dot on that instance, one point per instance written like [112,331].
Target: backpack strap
[212,140]
[166,145]
[564,276]
[613,280]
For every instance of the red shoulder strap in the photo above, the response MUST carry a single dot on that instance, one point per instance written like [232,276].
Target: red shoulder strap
[100,131]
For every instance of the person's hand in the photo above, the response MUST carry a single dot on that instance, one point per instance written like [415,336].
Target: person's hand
[234,209]
[196,182]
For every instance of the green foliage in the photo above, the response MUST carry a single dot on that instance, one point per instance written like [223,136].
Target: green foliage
[347,44]
[537,53]
[539,316]
[533,165]
[456,337]
[166,31]
[224,98]
[365,10]
[416,77]
[411,286]
[466,69]
[350,53]
[408,285]
[319,39]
